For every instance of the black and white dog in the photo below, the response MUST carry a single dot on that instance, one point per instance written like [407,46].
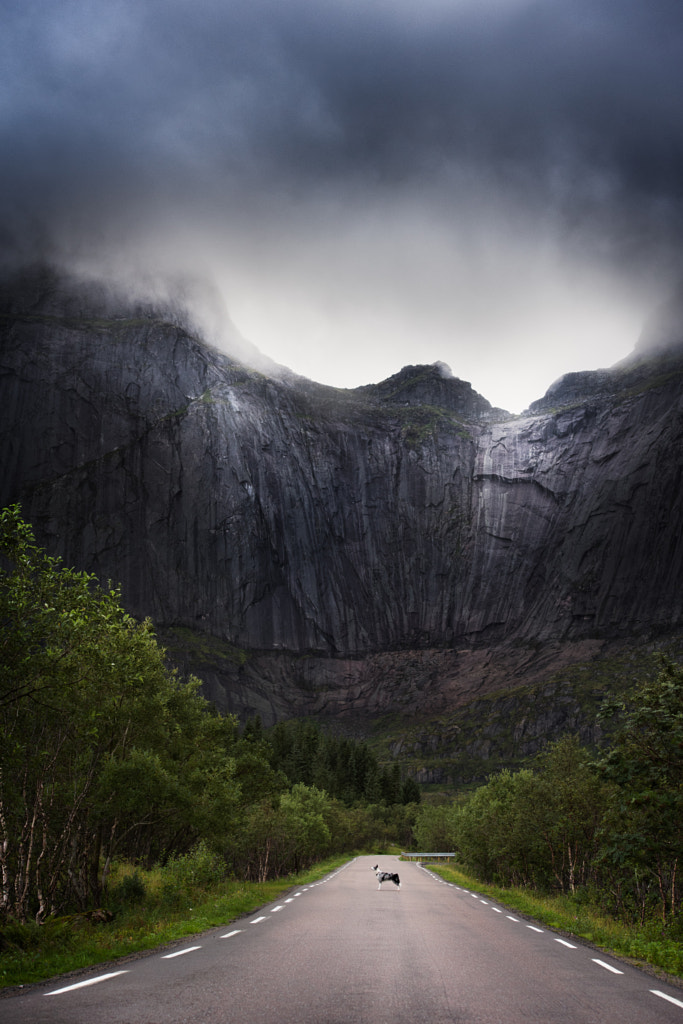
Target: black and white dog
[386,876]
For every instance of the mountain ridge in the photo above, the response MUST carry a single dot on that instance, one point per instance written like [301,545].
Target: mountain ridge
[399,547]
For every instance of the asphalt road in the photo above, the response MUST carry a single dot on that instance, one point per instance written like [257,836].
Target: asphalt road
[342,952]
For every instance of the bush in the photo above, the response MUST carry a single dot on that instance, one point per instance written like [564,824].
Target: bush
[130,890]
[190,875]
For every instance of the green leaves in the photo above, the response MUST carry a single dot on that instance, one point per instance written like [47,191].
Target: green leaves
[646,764]
[104,752]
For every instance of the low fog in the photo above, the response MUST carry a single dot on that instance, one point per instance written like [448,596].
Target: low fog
[495,185]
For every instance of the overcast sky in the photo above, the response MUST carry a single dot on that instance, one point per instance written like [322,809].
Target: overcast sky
[495,184]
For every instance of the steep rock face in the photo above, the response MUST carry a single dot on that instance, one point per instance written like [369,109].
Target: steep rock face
[327,532]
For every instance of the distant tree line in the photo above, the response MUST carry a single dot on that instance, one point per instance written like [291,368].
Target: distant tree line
[608,827]
[106,755]
[343,767]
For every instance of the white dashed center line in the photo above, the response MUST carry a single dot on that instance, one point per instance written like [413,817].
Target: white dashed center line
[181,952]
[663,995]
[84,984]
[608,967]
[563,942]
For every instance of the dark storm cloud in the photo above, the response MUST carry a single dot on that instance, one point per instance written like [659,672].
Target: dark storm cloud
[100,96]
[465,127]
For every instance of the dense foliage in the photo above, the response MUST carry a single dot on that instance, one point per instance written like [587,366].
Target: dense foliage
[608,828]
[106,755]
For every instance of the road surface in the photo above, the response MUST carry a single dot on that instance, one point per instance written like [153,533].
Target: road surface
[342,952]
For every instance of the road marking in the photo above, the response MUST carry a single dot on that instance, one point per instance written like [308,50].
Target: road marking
[256,920]
[608,967]
[181,952]
[535,929]
[485,903]
[663,995]
[515,919]
[497,910]
[83,984]
[474,896]
[275,909]
[567,944]
[230,934]
[290,900]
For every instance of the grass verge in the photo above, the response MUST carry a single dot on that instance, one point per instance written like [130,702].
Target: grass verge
[31,953]
[573,916]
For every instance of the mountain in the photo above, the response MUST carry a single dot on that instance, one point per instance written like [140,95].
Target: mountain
[398,549]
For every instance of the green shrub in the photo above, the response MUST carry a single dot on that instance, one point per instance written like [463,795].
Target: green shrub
[190,875]
[130,890]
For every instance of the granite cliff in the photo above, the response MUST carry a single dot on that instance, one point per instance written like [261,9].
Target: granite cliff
[398,547]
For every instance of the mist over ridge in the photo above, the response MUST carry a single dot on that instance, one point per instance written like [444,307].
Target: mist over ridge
[341,552]
[307,210]
[494,185]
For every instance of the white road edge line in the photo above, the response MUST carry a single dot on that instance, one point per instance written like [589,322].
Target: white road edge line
[181,952]
[515,919]
[230,934]
[497,910]
[256,920]
[608,967]
[83,984]
[663,995]
[279,907]
[565,943]
[535,929]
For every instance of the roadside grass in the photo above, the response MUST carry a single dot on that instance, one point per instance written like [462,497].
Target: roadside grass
[572,915]
[155,908]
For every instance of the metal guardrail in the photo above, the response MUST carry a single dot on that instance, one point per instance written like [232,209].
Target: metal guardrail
[428,856]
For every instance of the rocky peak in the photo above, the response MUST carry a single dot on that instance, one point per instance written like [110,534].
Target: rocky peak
[432,385]
[574,389]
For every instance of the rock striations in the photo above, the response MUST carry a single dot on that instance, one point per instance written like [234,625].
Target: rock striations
[308,550]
